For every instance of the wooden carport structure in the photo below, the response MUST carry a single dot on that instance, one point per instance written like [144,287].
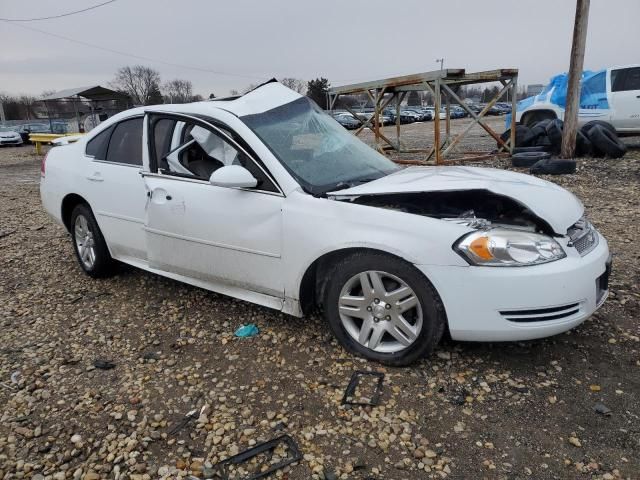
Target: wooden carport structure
[441,83]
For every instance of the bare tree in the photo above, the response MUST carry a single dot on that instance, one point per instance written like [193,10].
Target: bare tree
[139,82]
[18,107]
[178,91]
[295,84]
[249,87]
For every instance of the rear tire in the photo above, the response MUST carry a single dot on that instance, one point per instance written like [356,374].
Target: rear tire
[364,303]
[89,244]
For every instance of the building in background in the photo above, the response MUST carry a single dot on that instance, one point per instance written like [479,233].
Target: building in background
[534,89]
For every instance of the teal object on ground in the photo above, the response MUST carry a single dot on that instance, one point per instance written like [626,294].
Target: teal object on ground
[247,330]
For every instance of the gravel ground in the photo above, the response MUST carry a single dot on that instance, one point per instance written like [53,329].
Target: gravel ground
[508,411]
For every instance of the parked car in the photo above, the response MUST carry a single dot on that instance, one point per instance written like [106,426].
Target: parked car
[427,114]
[475,108]
[414,116]
[610,95]
[422,114]
[347,121]
[265,198]
[28,128]
[442,115]
[9,136]
[457,112]
[494,110]
[405,116]
[383,119]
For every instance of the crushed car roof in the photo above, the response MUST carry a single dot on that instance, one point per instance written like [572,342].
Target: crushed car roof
[261,99]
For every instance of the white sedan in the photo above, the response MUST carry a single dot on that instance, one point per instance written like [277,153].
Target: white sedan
[268,199]
[9,136]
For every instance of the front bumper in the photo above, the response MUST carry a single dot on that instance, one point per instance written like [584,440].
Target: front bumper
[10,141]
[522,303]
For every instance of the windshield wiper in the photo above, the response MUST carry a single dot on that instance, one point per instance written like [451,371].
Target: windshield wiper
[342,185]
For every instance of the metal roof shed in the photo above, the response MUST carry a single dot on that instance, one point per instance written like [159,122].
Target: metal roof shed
[93,94]
[439,82]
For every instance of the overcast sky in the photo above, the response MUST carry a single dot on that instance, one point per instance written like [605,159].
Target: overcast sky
[344,41]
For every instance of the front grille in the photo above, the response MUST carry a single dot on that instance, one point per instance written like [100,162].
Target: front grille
[541,314]
[583,236]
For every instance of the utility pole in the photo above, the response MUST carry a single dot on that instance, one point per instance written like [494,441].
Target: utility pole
[441,62]
[570,129]
[2,117]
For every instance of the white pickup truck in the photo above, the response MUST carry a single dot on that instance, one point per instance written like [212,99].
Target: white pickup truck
[611,95]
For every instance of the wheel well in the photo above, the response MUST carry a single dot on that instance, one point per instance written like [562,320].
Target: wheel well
[70,202]
[537,115]
[315,278]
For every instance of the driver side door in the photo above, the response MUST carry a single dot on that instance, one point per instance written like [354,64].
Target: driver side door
[225,239]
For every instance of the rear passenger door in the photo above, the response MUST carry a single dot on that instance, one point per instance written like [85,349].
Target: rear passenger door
[625,96]
[115,189]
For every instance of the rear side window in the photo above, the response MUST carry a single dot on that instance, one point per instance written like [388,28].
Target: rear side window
[125,145]
[97,146]
[625,79]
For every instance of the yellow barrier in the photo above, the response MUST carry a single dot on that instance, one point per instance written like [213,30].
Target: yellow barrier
[39,138]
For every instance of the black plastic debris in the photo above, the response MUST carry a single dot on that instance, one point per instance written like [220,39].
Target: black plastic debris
[191,415]
[222,468]
[602,409]
[104,364]
[151,356]
[349,397]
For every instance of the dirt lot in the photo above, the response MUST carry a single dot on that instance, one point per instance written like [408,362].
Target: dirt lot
[472,411]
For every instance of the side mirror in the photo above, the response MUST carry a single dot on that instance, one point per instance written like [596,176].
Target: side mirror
[233,176]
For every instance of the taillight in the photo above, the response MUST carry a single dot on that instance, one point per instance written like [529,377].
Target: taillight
[43,164]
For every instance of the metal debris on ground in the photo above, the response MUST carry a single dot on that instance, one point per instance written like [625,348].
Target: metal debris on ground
[191,415]
[104,364]
[268,448]
[350,398]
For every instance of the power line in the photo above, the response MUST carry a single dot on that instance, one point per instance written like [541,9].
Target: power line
[68,14]
[140,57]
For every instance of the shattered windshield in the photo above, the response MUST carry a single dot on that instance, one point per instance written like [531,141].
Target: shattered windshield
[320,154]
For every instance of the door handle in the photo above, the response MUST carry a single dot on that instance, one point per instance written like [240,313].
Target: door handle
[168,197]
[95,177]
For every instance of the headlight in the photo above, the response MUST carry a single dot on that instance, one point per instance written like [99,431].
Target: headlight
[501,247]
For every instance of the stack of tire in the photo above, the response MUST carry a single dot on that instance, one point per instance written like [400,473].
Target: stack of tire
[535,145]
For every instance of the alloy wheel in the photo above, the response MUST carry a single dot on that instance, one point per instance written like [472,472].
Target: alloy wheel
[85,242]
[380,311]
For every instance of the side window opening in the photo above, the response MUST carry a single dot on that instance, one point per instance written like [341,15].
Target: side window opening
[125,145]
[197,152]
[632,79]
[97,146]
[625,79]
[163,134]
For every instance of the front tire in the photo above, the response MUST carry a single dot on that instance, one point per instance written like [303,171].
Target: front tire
[89,244]
[383,308]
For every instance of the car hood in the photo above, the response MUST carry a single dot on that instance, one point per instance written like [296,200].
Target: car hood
[555,205]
